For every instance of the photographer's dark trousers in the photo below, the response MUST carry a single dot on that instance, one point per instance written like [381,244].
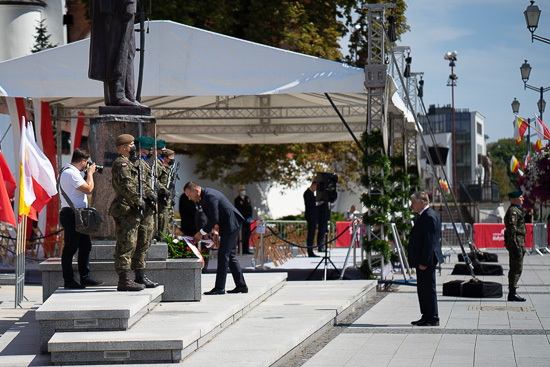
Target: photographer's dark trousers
[74,241]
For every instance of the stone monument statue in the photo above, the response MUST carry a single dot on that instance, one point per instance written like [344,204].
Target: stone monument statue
[112,50]
[487,167]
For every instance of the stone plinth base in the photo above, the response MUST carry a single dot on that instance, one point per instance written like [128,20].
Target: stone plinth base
[181,277]
[103,132]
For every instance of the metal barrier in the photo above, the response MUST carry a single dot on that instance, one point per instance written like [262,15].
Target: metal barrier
[540,238]
[449,237]
[270,246]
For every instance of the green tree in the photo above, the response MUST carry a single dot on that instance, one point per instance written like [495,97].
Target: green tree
[42,38]
[501,152]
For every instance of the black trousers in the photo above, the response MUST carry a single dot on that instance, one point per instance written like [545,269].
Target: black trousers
[245,236]
[74,241]
[227,258]
[427,296]
[311,229]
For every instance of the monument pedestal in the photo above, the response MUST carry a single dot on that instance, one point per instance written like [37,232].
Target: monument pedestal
[103,132]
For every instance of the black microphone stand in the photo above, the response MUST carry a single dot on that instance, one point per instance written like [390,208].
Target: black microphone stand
[326,257]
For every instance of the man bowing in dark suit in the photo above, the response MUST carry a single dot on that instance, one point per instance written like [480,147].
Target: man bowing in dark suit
[219,210]
[424,254]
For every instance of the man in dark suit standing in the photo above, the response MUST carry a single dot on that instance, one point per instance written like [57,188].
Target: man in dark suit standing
[219,210]
[312,216]
[424,254]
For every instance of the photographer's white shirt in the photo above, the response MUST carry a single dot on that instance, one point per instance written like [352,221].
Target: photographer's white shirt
[71,180]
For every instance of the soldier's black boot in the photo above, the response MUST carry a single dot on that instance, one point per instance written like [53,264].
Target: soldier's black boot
[513,296]
[142,278]
[125,283]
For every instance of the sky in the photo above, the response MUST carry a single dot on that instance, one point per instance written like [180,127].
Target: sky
[492,41]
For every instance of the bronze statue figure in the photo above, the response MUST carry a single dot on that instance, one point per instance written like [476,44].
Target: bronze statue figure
[112,50]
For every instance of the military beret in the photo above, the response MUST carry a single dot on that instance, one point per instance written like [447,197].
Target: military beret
[145,142]
[161,144]
[170,152]
[515,194]
[123,139]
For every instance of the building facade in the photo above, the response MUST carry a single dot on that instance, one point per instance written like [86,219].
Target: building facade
[470,143]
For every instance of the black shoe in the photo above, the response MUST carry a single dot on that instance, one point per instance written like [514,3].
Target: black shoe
[432,322]
[243,289]
[312,255]
[513,297]
[417,321]
[215,291]
[73,285]
[90,282]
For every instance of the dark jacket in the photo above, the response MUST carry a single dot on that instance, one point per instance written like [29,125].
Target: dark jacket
[312,214]
[219,210]
[424,240]
[244,206]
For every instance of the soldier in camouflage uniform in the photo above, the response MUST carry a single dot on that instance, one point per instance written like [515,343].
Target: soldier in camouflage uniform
[514,240]
[164,223]
[146,226]
[126,211]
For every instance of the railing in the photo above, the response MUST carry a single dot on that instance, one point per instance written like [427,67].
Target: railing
[478,191]
[470,204]
[450,239]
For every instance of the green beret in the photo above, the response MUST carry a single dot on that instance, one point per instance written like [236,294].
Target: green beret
[145,142]
[161,144]
[515,194]
[123,139]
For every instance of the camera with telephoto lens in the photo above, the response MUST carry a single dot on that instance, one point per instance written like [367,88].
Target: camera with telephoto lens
[98,168]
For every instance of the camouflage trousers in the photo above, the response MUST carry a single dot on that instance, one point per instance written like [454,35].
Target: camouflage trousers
[165,219]
[516,267]
[133,238]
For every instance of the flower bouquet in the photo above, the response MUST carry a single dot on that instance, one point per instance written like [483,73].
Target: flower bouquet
[179,249]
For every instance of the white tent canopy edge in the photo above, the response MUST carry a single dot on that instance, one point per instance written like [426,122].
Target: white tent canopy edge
[205,87]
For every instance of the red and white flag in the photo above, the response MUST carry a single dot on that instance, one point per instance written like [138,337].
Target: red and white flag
[7,188]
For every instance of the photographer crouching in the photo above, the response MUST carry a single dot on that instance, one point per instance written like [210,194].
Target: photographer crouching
[76,189]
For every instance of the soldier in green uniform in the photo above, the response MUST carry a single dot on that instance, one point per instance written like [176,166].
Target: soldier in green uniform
[146,225]
[514,240]
[164,223]
[125,210]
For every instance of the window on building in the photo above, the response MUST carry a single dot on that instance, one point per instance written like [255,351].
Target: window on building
[479,128]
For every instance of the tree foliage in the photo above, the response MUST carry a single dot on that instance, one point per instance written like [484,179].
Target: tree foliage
[311,27]
[501,153]
[42,38]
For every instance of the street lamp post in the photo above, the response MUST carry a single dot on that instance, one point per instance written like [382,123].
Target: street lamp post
[525,70]
[451,56]
[532,15]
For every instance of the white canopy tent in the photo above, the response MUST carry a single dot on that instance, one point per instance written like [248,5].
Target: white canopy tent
[204,87]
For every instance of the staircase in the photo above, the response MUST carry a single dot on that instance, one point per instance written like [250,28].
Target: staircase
[443,213]
[102,326]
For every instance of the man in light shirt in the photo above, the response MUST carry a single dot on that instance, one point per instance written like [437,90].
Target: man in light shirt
[77,189]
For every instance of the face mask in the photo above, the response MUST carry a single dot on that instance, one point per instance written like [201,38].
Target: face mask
[132,150]
[164,154]
[243,192]
[170,162]
[149,154]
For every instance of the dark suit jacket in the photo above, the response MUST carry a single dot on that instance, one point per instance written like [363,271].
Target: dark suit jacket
[311,213]
[424,245]
[219,210]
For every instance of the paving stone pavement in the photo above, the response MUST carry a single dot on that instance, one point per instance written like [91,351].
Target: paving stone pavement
[473,332]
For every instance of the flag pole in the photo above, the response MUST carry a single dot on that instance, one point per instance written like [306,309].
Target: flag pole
[20,261]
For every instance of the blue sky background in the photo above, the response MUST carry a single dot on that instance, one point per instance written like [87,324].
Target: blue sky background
[492,41]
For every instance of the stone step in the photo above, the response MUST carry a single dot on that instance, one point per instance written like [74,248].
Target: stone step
[104,250]
[169,332]
[99,308]
[181,277]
